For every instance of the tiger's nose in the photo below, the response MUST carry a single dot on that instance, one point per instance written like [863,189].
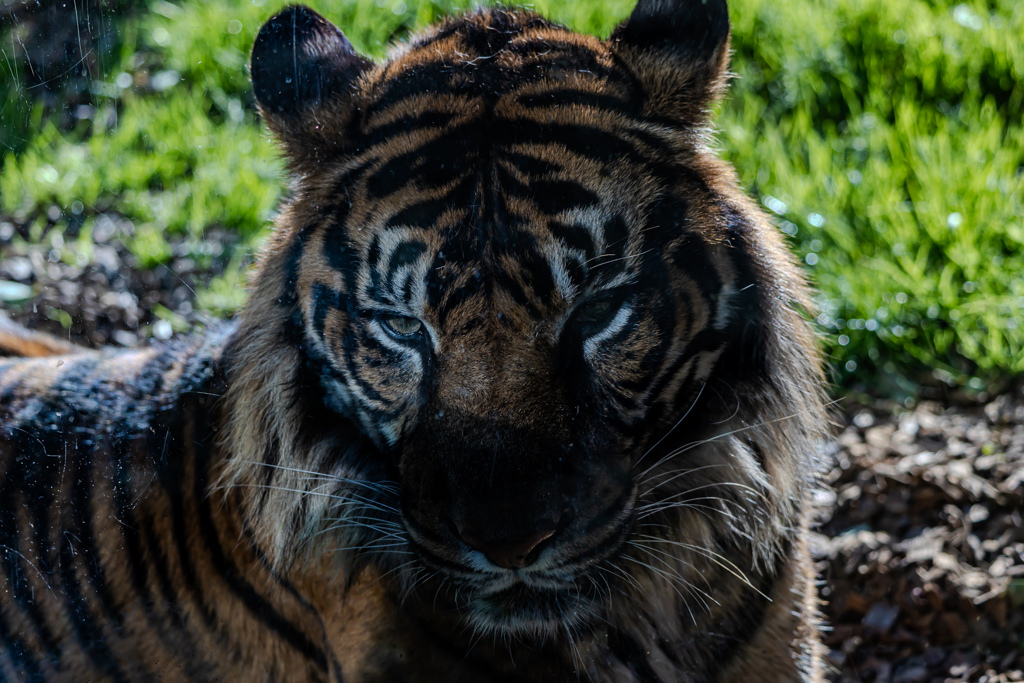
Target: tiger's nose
[508,554]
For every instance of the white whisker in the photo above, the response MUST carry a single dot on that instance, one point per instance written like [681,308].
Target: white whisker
[665,435]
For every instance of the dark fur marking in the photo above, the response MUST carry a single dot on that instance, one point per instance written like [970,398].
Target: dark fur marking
[325,300]
[20,653]
[434,164]
[257,606]
[407,253]
[16,569]
[422,120]
[88,628]
[426,213]
[555,196]
[578,98]
[632,655]
[574,237]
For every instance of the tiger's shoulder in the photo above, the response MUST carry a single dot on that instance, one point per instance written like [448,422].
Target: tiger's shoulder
[46,382]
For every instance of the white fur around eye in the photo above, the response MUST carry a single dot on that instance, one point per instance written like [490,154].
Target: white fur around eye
[404,351]
[590,346]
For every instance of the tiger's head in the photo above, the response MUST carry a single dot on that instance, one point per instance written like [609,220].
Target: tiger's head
[517,324]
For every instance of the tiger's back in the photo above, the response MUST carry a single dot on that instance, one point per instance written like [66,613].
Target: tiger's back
[117,564]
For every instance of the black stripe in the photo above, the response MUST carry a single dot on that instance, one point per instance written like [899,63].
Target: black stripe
[574,237]
[159,562]
[489,37]
[419,121]
[89,630]
[517,292]
[690,255]
[433,164]
[405,296]
[427,213]
[616,237]
[54,423]
[225,568]
[325,300]
[569,97]
[662,313]
[529,165]
[81,522]
[344,258]
[632,654]
[289,297]
[334,666]
[20,654]
[16,565]
[705,340]
[171,472]
[596,144]
[415,82]
[156,444]
[555,196]
[134,533]
[541,57]
[373,254]
[354,340]
[532,269]
[444,292]
[406,253]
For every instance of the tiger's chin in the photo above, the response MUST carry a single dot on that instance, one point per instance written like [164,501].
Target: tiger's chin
[534,614]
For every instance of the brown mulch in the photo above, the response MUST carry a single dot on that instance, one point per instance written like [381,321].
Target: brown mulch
[923,556]
[103,297]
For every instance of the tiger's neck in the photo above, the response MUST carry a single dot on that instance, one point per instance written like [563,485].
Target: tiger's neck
[376,635]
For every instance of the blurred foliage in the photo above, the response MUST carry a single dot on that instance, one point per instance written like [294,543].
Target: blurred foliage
[886,138]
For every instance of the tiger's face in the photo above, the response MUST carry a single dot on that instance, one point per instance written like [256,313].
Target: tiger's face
[507,264]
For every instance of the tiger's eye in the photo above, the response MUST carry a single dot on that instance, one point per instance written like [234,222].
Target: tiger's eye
[403,325]
[595,311]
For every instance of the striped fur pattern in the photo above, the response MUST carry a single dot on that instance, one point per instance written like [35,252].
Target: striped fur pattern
[522,392]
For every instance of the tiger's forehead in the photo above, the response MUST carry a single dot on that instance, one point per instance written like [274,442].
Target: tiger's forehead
[499,48]
[498,157]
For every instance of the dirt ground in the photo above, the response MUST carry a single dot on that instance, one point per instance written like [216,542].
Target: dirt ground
[921,552]
[922,557]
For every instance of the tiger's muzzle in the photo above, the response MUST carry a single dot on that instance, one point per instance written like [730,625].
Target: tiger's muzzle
[517,518]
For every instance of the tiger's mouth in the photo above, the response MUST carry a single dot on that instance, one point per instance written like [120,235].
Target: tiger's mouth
[524,610]
[563,588]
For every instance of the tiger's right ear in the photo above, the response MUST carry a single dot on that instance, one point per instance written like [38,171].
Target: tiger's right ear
[679,51]
[303,69]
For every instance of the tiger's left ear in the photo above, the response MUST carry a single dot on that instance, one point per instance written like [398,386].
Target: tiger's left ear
[303,69]
[679,49]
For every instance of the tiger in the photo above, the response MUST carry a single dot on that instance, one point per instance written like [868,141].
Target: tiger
[525,389]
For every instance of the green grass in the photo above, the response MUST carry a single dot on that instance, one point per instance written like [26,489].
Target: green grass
[888,139]
[885,137]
